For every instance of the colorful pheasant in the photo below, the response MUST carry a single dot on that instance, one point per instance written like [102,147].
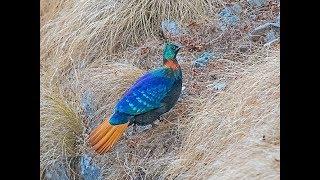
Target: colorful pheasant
[152,95]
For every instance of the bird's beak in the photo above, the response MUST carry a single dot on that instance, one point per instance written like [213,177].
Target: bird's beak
[180,46]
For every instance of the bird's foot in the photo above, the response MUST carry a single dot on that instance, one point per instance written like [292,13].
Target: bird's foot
[154,125]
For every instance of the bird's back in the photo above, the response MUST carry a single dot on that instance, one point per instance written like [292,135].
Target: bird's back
[167,100]
[146,94]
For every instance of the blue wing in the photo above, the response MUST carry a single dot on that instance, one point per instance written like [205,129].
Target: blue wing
[146,94]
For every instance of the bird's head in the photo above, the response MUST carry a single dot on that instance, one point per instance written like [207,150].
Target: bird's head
[170,51]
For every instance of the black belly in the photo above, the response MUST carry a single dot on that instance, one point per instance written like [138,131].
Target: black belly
[166,104]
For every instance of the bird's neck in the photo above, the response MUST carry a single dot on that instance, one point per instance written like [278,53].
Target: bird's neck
[172,68]
[172,64]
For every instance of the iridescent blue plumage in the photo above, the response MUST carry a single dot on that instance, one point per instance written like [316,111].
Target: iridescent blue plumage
[153,94]
[145,95]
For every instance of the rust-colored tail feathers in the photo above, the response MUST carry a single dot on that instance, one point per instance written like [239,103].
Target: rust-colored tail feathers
[103,137]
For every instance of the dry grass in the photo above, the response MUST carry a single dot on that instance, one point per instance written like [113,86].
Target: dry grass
[236,134]
[50,8]
[113,24]
[60,129]
[89,30]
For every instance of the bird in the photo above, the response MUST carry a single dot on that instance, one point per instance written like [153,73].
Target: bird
[152,95]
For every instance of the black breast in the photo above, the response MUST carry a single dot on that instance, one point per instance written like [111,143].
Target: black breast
[166,104]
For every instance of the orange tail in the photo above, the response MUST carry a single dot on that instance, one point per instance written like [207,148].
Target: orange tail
[103,137]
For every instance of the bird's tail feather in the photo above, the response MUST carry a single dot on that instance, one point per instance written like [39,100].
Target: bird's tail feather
[103,137]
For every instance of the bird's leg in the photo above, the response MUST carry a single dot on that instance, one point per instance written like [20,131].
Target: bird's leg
[134,129]
[154,125]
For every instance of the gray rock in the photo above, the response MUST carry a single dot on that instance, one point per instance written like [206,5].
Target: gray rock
[278,19]
[203,59]
[218,86]
[57,171]
[271,42]
[256,3]
[270,36]
[263,30]
[265,27]
[237,9]
[73,168]
[228,17]
[89,171]
[183,93]
[86,102]
[170,27]
[144,128]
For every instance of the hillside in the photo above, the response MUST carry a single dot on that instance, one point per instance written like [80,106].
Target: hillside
[226,124]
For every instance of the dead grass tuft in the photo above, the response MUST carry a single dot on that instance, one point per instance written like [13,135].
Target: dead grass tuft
[60,129]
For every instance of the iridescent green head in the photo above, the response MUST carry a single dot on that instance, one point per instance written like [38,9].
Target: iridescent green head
[170,51]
